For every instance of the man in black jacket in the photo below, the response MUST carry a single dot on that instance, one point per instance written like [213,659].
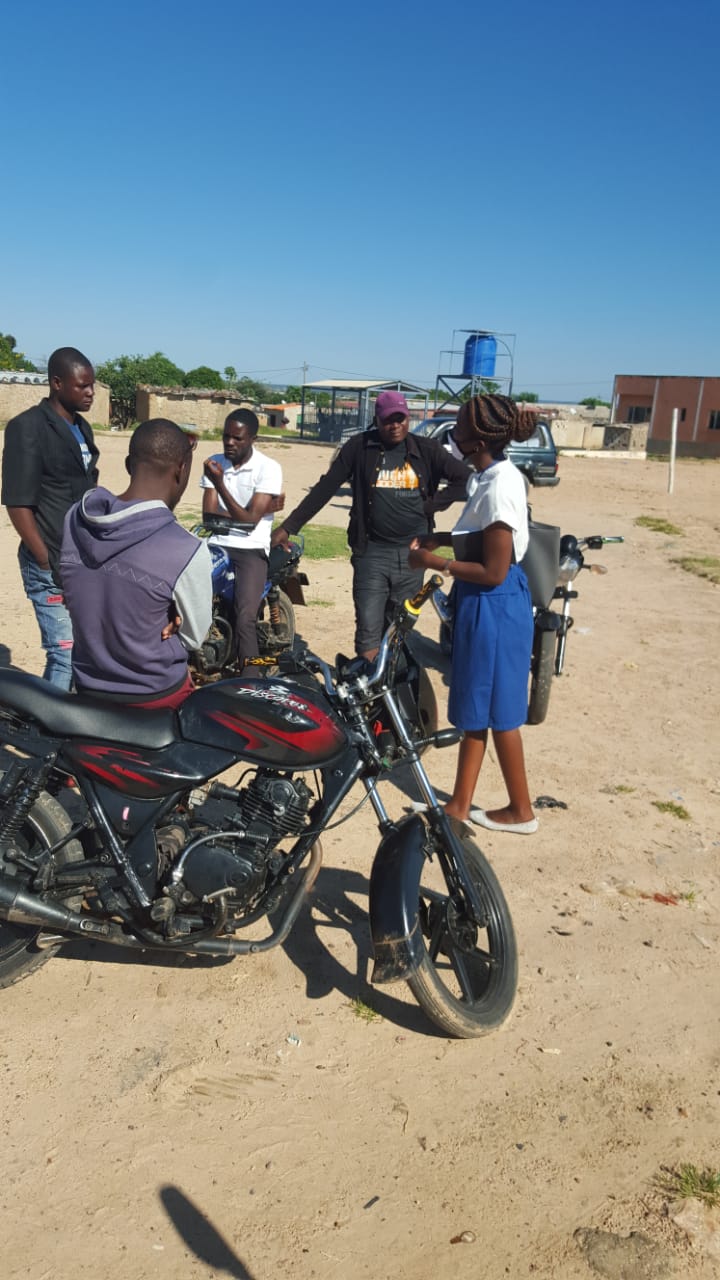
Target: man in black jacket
[49,462]
[394,478]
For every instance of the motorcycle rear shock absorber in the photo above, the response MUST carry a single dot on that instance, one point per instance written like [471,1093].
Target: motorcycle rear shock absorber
[21,785]
[273,601]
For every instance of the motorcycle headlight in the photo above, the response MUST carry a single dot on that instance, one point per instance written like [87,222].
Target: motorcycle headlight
[568,570]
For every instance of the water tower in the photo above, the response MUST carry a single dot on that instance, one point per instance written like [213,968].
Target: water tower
[484,356]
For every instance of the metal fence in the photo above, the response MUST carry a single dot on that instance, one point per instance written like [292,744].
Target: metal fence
[617,438]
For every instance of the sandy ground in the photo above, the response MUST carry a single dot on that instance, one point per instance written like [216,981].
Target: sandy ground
[191,1119]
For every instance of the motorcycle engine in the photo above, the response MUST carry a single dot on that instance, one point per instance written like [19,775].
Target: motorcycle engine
[236,854]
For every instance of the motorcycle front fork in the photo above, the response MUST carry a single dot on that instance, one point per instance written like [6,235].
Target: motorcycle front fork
[563,629]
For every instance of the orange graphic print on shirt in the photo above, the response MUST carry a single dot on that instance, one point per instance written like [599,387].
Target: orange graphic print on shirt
[397,478]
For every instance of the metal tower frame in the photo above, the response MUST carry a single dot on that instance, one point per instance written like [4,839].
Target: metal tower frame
[474,384]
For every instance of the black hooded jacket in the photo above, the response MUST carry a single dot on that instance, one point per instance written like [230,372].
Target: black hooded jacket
[359,461]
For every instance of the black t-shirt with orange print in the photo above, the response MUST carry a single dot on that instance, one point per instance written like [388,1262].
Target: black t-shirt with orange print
[396,504]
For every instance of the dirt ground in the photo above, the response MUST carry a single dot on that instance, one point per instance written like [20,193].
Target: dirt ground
[195,1119]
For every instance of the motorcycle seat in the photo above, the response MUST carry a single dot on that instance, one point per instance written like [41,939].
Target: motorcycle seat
[77,715]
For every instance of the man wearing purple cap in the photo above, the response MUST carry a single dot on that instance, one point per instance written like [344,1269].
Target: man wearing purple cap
[394,478]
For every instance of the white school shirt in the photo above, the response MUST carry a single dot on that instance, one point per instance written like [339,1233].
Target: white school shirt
[497,494]
[259,474]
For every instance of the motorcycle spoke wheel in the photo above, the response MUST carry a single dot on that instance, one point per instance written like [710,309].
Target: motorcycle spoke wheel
[44,826]
[467,976]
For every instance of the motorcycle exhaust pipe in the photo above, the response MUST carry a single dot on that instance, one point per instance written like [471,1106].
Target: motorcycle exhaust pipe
[242,947]
[20,907]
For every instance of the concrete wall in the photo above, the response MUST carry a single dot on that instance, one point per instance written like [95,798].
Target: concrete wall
[206,409]
[16,397]
[573,433]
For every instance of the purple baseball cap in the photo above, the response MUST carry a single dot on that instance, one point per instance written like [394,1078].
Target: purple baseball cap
[388,403]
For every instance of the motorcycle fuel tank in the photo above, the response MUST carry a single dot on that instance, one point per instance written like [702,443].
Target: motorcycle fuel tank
[271,722]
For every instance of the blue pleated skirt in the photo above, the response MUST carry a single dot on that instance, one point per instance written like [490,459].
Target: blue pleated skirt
[492,644]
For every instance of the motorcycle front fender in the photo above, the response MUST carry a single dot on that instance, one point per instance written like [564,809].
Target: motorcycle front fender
[293,588]
[394,899]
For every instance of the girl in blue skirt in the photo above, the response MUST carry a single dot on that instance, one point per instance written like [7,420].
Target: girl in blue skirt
[493,630]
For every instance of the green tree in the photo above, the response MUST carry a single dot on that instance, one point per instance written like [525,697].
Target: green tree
[10,357]
[530,397]
[322,399]
[124,374]
[592,402]
[251,389]
[230,375]
[204,377]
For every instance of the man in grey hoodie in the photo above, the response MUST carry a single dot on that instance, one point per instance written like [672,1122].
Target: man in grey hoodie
[137,585]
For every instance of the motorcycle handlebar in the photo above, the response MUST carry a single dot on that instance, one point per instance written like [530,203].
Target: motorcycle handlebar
[597,540]
[218,523]
[414,605]
[301,656]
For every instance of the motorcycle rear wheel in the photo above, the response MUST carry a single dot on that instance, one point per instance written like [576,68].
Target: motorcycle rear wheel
[543,669]
[270,640]
[467,977]
[46,823]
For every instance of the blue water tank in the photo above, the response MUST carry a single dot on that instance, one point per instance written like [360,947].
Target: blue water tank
[479,358]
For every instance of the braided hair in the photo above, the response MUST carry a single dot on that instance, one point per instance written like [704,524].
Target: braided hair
[496,420]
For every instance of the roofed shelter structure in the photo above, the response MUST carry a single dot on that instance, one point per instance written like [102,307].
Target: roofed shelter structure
[352,405]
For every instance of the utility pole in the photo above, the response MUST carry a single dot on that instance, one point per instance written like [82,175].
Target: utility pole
[305,368]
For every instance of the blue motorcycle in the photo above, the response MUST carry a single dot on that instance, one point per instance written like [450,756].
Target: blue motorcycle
[275,620]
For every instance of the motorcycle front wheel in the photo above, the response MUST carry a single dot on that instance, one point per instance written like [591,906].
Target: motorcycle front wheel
[467,976]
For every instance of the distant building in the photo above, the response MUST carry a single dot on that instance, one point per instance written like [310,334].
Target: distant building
[283,415]
[650,398]
[207,410]
[352,405]
[20,391]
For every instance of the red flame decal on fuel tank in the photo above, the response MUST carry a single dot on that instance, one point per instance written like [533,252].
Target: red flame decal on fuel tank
[325,737]
[115,772]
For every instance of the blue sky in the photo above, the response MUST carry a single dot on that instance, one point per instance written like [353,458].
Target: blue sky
[263,185]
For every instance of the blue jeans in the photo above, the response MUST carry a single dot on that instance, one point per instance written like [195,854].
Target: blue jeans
[53,618]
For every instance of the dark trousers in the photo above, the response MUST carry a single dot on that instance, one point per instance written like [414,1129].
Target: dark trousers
[382,579]
[250,579]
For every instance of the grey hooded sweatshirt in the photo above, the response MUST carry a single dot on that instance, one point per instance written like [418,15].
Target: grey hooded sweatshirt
[126,569]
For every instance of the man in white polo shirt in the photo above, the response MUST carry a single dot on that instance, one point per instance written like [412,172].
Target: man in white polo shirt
[243,483]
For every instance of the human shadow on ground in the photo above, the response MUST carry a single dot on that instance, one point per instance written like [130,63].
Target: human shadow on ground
[199,1234]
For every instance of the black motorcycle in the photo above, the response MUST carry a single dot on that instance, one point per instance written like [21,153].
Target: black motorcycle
[111,827]
[275,622]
